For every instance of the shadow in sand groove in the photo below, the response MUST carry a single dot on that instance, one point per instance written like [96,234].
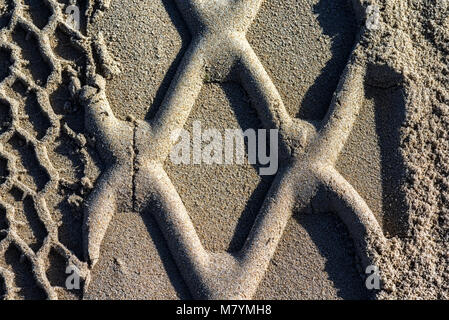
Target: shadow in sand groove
[337,20]
[389,98]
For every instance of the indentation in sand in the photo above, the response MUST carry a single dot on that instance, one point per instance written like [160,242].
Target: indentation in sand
[304,46]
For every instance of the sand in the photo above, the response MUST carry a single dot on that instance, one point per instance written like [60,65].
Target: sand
[363,177]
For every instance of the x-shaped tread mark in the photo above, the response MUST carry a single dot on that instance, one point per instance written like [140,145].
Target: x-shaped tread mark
[134,154]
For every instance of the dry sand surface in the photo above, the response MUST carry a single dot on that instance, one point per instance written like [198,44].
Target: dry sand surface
[359,90]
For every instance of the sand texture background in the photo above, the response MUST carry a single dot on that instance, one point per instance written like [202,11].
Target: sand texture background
[125,61]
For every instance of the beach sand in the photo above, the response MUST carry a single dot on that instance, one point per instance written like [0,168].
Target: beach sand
[394,158]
